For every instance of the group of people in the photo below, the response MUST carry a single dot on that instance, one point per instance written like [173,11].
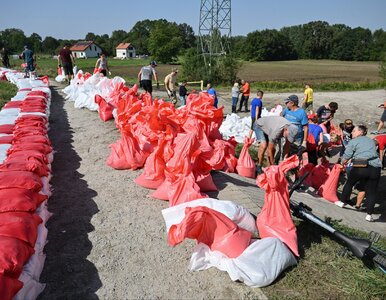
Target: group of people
[240,91]
[303,130]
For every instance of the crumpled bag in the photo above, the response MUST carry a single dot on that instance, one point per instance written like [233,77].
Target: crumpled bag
[328,189]
[245,165]
[211,228]
[319,176]
[9,287]
[105,109]
[275,218]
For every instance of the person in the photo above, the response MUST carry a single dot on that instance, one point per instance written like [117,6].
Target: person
[67,61]
[235,96]
[5,58]
[308,99]
[102,64]
[381,143]
[368,173]
[145,77]
[183,92]
[269,131]
[382,120]
[256,108]
[347,128]
[28,56]
[245,92]
[170,85]
[326,114]
[298,117]
[314,139]
[211,91]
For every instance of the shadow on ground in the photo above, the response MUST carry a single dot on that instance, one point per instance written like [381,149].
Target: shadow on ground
[67,272]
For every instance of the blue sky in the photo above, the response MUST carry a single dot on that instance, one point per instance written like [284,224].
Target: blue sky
[74,19]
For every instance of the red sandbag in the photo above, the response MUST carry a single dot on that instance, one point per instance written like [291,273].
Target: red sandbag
[9,287]
[14,253]
[205,182]
[27,154]
[38,93]
[105,110]
[212,228]
[13,104]
[20,225]
[7,128]
[30,118]
[307,168]
[15,199]
[245,165]
[319,175]
[328,189]
[275,218]
[42,148]
[31,165]
[20,179]
[40,139]
[7,139]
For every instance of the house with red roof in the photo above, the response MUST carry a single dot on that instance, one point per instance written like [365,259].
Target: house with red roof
[86,49]
[125,50]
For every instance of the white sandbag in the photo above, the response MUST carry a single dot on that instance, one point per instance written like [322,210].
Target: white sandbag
[31,288]
[9,112]
[258,266]
[20,96]
[34,266]
[60,78]
[41,240]
[34,113]
[238,214]
[46,189]
[3,151]
[44,89]
[43,213]
[235,126]
[8,119]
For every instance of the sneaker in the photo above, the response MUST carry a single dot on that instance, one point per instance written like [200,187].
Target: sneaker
[374,132]
[369,218]
[340,204]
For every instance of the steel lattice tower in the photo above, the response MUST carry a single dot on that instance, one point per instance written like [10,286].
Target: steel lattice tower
[214,29]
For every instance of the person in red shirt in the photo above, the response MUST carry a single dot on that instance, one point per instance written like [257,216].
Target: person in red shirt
[65,55]
[381,141]
[245,92]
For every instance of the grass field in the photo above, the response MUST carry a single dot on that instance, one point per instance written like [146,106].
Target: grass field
[7,91]
[282,76]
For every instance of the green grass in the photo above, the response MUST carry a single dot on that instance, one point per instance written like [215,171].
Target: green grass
[7,91]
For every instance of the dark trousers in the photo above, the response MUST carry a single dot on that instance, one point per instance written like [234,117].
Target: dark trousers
[369,176]
[244,100]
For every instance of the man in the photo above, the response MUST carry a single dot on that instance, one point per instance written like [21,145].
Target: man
[245,92]
[382,120]
[298,117]
[211,91]
[170,84]
[308,99]
[326,114]
[183,92]
[67,61]
[269,130]
[145,77]
[5,58]
[256,108]
[28,56]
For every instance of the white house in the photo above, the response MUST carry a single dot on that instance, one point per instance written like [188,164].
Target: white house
[85,49]
[125,50]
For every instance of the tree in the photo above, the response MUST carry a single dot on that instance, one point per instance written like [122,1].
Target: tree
[382,67]
[317,40]
[187,36]
[14,39]
[164,41]
[35,42]
[237,44]
[139,35]
[90,37]
[50,45]
[379,45]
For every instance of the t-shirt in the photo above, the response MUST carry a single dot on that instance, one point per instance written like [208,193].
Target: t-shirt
[28,56]
[381,139]
[363,147]
[315,130]
[246,90]
[212,92]
[147,72]
[65,55]
[310,94]
[183,91]
[273,126]
[235,92]
[256,102]
[297,117]
[323,113]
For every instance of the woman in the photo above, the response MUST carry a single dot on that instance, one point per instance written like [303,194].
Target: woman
[235,96]
[366,168]
[102,65]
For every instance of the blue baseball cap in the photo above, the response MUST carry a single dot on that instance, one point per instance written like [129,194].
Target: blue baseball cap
[153,63]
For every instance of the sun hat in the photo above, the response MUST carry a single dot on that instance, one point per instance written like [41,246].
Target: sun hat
[292,132]
[292,98]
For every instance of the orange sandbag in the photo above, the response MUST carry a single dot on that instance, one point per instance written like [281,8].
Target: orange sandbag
[20,179]
[9,287]
[245,165]
[14,253]
[105,109]
[15,199]
[205,182]
[20,225]
[328,189]
[212,228]
[307,168]
[275,218]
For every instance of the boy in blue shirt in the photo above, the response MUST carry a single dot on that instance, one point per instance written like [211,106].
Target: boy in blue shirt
[256,108]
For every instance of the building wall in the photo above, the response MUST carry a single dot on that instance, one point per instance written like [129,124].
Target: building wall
[91,51]
[124,53]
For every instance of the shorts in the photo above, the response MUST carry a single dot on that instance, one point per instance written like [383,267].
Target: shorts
[146,85]
[67,68]
[383,117]
[260,135]
[104,72]
[308,106]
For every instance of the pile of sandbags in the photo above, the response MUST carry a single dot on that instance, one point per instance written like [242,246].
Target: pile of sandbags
[25,171]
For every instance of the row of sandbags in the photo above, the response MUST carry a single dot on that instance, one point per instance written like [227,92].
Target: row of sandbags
[177,148]
[25,171]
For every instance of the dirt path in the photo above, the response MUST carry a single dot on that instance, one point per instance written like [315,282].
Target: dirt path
[107,239]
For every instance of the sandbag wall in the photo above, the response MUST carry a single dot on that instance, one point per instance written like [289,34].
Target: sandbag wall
[25,171]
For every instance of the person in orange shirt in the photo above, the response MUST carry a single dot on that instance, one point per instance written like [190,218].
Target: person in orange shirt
[245,92]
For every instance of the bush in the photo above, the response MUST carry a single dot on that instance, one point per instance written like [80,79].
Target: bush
[382,67]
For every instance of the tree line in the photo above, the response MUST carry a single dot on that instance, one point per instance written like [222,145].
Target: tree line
[165,40]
